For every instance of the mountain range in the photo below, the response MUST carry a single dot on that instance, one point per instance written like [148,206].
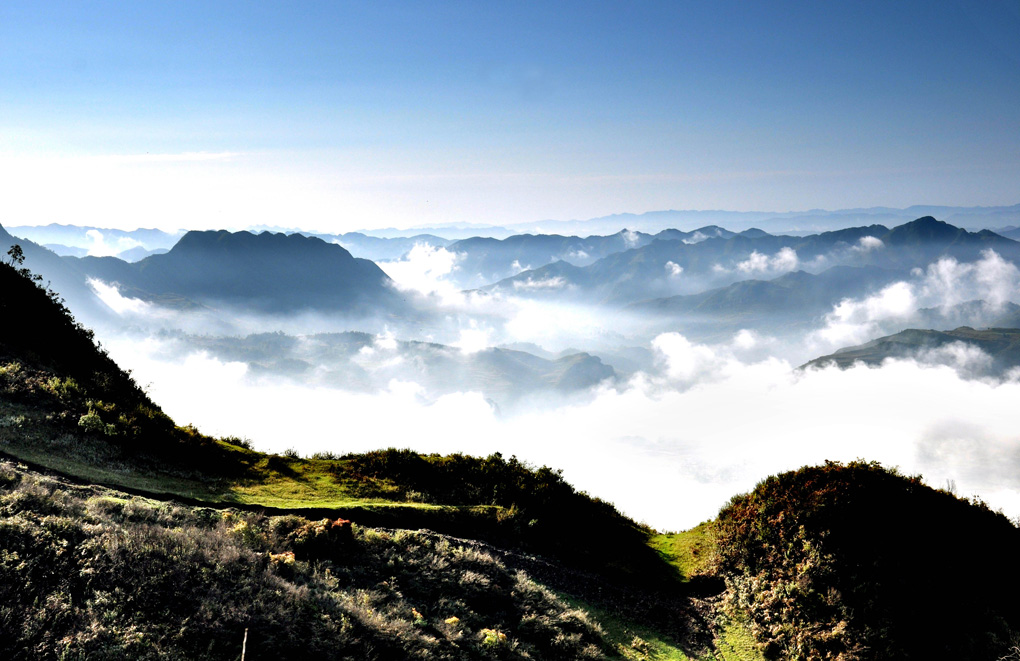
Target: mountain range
[732,280]
[482,260]
[671,267]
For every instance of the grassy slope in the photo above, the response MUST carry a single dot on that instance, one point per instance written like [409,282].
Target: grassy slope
[86,573]
[691,551]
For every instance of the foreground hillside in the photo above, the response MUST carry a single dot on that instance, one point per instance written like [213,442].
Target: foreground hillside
[86,573]
[125,536]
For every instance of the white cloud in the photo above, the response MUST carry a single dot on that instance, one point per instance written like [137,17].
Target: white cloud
[678,453]
[868,243]
[474,338]
[697,237]
[674,269]
[122,305]
[425,269]
[100,246]
[555,282]
[942,284]
[783,261]
[991,279]
[685,361]
[856,321]
[965,358]
[746,339]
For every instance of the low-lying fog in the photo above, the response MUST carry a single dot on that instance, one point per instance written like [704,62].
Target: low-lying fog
[682,425]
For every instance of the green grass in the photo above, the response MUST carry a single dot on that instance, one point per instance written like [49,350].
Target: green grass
[632,641]
[735,643]
[635,642]
[691,551]
[271,481]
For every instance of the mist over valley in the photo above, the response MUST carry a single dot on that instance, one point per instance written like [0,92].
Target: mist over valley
[672,357]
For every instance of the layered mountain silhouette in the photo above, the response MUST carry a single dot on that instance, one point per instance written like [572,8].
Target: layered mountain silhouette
[709,270]
[669,266]
[482,260]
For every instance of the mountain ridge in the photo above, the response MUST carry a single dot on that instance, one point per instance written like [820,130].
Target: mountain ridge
[268,272]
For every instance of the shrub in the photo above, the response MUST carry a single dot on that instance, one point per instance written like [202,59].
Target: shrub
[92,422]
[859,562]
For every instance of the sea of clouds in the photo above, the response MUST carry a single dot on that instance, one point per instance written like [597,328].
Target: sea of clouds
[669,443]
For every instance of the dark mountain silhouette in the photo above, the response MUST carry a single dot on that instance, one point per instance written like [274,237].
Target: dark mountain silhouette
[139,253]
[265,272]
[801,222]
[487,260]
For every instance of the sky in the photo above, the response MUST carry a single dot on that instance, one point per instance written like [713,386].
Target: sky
[335,116]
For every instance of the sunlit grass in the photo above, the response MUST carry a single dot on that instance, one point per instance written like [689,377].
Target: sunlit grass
[735,643]
[690,551]
[633,641]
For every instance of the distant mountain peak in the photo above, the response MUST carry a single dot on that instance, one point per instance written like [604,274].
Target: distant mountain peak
[926,228]
[276,244]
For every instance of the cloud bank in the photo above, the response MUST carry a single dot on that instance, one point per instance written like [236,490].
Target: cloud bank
[669,447]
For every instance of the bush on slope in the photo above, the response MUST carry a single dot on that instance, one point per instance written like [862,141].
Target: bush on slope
[858,562]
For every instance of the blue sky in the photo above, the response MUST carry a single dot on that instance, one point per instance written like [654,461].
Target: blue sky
[335,116]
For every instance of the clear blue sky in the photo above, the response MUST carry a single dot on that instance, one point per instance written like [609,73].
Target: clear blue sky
[333,116]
